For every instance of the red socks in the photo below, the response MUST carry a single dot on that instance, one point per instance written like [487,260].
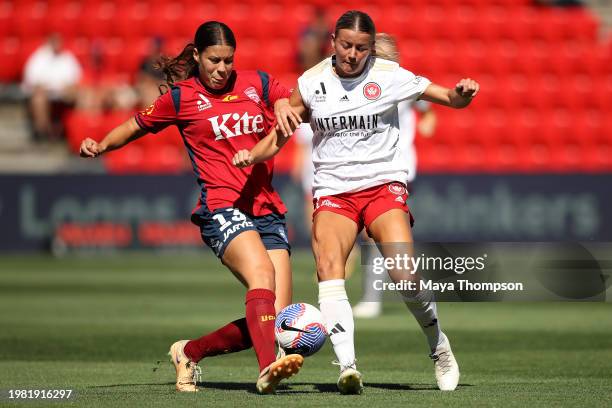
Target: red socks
[230,338]
[256,330]
[260,317]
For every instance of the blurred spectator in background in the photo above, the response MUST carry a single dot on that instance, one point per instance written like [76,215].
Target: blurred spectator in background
[50,78]
[150,75]
[315,41]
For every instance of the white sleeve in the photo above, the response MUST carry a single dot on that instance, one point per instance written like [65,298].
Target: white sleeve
[303,88]
[408,86]
[304,134]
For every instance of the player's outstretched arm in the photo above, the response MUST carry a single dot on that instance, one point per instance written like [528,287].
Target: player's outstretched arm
[264,150]
[458,98]
[288,119]
[270,145]
[119,136]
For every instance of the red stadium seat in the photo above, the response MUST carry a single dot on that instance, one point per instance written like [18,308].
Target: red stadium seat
[280,57]
[7,12]
[82,124]
[128,160]
[10,55]
[65,17]
[97,18]
[30,19]
[164,158]
[164,18]
[132,20]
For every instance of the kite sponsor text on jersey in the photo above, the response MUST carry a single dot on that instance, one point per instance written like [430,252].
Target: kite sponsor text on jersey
[239,125]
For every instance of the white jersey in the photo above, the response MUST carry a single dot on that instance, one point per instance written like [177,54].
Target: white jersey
[355,123]
[407,125]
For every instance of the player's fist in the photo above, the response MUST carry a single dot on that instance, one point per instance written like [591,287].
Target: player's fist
[467,88]
[242,159]
[90,148]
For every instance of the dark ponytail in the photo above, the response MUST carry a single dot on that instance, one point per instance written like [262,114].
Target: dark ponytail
[358,21]
[184,66]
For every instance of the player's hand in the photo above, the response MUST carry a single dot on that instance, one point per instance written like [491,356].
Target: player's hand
[286,117]
[467,88]
[242,159]
[90,148]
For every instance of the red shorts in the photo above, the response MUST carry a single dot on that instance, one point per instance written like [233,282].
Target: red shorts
[365,206]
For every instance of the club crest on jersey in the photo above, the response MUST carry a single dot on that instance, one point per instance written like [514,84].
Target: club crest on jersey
[203,103]
[397,189]
[252,94]
[372,91]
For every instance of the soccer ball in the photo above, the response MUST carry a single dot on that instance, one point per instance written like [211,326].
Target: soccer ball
[299,329]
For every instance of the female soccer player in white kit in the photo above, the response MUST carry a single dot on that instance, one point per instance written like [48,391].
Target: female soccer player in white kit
[351,101]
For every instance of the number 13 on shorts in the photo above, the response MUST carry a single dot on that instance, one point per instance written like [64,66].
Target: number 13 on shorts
[236,216]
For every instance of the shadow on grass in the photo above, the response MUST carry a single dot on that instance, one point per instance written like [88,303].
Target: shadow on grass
[317,388]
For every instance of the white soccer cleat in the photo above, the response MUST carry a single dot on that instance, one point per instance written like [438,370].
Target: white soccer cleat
[367,310]
[282,368]
[350,381]
[187,372]
[445,365]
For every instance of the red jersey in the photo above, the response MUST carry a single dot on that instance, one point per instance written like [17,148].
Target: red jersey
[214,127]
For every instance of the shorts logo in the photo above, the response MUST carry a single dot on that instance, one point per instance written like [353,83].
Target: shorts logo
[397,189]
[203,103]
[372,91]
[251,92]
[327,203]
[281,232]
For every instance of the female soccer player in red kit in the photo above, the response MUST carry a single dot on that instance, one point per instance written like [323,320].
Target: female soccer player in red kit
[360,175]
[219,111]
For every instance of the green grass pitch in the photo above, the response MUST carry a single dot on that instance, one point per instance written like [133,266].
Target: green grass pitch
[98,324]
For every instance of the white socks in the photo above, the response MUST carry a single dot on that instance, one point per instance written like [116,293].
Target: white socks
[425,312]
[338,316]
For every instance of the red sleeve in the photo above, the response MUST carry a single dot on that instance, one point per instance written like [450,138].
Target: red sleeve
[159,115]
[276,91]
